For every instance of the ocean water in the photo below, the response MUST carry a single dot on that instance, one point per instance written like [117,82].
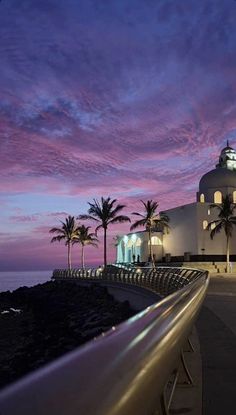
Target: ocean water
[11,280]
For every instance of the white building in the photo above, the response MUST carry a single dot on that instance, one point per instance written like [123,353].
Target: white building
[188,238]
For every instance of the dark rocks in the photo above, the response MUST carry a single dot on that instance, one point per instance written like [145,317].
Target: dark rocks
[54,318]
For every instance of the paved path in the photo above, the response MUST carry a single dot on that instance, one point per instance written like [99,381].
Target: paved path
[217,332]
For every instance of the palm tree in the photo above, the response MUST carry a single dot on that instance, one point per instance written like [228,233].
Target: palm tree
[85,238]
[68,233]
[105,213]
[226,222]
[151,220]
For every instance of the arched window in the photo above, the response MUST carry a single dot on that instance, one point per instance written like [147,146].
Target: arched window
[138,242]
[202,198]
[234,196]
[213,225]
[133,237]
[155,241]
[204,224]
[129,244]
[217,197]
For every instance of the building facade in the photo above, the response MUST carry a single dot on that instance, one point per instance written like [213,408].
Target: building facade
[188,238]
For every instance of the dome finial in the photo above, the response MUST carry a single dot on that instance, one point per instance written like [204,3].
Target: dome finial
[227,143]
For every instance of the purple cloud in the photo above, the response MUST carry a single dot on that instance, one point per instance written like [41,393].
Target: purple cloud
[111,98]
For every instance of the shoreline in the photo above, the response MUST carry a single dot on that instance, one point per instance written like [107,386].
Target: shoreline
[43,322]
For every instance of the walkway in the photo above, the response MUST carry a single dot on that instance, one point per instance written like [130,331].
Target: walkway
[217,332]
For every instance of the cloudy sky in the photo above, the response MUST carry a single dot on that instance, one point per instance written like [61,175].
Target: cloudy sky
[132,99]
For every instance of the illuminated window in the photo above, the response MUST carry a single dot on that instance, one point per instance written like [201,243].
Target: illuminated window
[218,197]
[134,237]
[213,225]
[138,242]
[202,198]
[204,224]
[155,241]
[129,244]
[234,196]
[209,211]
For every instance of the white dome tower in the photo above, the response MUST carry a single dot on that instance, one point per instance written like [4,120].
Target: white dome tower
[227,158]
[221,181]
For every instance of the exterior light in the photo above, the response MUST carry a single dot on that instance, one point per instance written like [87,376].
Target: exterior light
[134,237]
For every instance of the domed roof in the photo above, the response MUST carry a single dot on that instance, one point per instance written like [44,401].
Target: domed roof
[228,149]
[218,178]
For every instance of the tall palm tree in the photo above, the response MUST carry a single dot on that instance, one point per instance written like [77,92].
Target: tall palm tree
[226,222]
[151,220]
[105,213]
[85,238]
[68,233]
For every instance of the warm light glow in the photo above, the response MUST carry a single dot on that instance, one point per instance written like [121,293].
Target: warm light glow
[204,224]
[138,242]
[202,198]
[213,225]
[217,197]
[155,241]
[234,196]
[134,237]
[129,244]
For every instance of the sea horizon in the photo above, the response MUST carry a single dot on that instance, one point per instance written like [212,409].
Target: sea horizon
[11,280]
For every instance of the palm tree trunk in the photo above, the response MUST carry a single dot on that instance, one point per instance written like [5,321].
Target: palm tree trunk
[150,248]
[82,256]
[69,255]
[105,246]
[227,254]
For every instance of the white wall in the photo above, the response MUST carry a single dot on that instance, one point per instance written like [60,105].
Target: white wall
[217,245]
[182,236]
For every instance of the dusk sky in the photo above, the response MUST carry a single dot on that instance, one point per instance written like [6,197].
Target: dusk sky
[130,99]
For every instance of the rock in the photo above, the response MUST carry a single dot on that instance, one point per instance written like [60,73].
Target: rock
[54,318]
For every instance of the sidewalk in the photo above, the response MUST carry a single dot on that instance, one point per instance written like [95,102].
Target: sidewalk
[216,327]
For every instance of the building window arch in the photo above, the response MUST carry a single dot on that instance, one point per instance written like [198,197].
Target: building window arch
[234,196]
[138,242]
[204,224]
[217,197]
[129,243]
[155,241]
[213,225]
[202,198]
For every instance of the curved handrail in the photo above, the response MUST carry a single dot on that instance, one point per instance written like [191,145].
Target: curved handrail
[123,372]
[161,280]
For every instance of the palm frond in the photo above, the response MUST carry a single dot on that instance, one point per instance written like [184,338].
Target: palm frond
[138,214]
[97,229]
[57,238]
[138,223]
[119,219]
[216,230]
[56,230]
[87,217]
[116,210]
[226,219]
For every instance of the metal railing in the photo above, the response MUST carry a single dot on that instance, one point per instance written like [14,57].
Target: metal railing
[130,370]
[161,280]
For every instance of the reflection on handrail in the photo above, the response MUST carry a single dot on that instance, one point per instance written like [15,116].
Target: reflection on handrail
[126,371]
